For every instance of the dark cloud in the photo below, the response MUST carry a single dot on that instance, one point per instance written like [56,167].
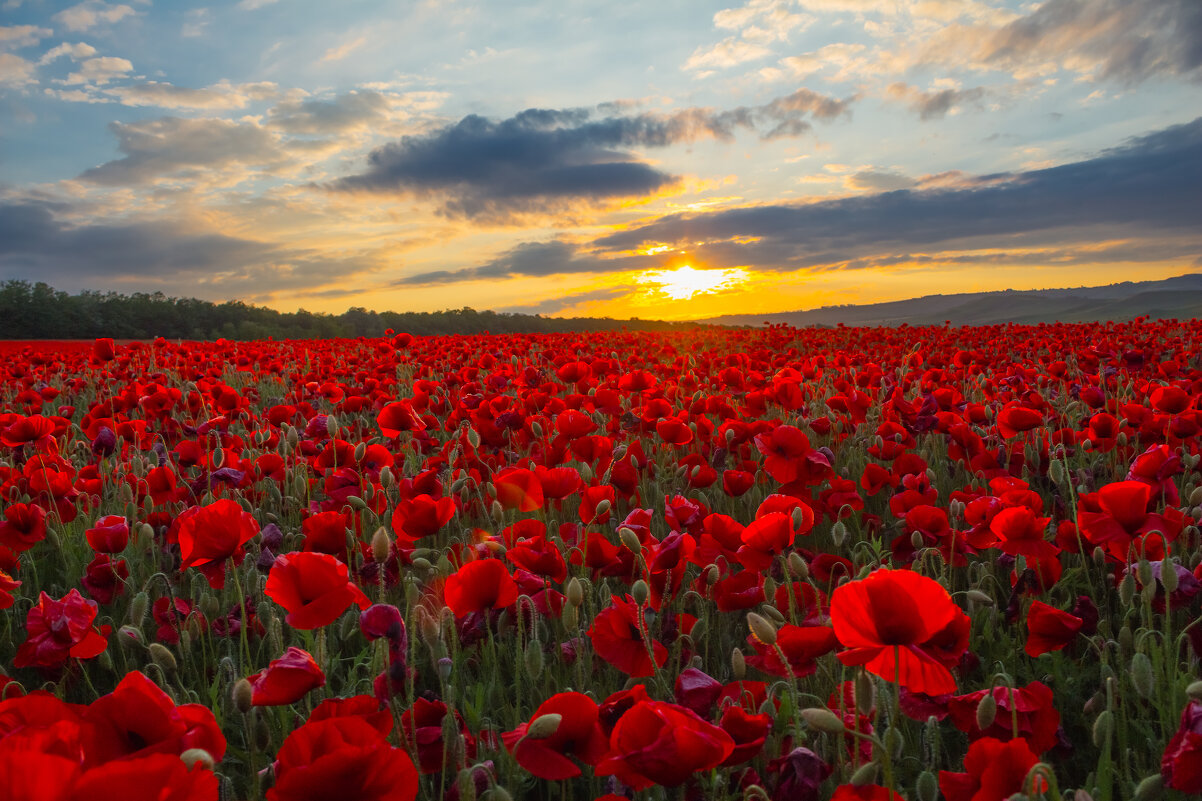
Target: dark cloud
[561,302]
[527,259]
[37,242]
[880,181]
[185,148]
[1149,188]
[932,105]
[542,159]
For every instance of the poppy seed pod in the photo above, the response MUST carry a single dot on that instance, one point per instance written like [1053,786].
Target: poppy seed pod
[332,426]
[1151,787]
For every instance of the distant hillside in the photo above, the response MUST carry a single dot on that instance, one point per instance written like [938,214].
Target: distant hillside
[1173,297]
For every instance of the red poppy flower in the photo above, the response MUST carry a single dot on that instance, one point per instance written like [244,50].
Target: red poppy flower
[58,630]
[397,417]
[540,556]
[286,680]
[864,792]
[801,645]
[616,639]
[159,777]
[1015,418]
[315,588]
[137,718]
[784,449]
[519,488]
[23,527]
[892,621]
[342,757]
[109,535]
[421,516]
[1029,708]
[579,735]
[422,729]
[660,743]
[479,585]
[748,731]
[1019,531]
[104,578]
[209,535]
[1181,764]
[1049,629]
[7,585]
[994,771]
[361,706]
[325,532]
[1120,518]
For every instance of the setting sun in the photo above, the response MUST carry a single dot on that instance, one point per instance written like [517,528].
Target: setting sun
[685,282]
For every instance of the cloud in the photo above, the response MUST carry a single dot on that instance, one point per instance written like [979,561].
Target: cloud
[15,71]
[1149,188]
[39,242]
[76,52]
[343,50]
[90,14]
[932,105]
[529,259]
[222,95]
[879,181]
[99,71]
[1127,41]
[345,112]
[758,24]
[17,36]
[561,302]
[188,149]
[541,159]
[253,5]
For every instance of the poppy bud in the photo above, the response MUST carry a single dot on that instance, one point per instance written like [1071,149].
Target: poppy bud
[544,726]
[1087,444]
[138,607]
[534,659]
[978,597]
[537,428]
[986,711]
[381,545]
[1102,728]
[630,540]
[497,511]
[473,437]
[865,692]
[838,532]
[769,592]
[1195,497]
[895,741]
[499,793]
[1141,675]
[360,451]
[1168,576]
[1194,691]
[1148,592]
[798,567]
[194,756]
[262,733]
[927,787]
[570,616]
[712,574]
[798,517]
[422,564]
[1056,471]
[640,591]
[163,657]
[822,720]
[1127,589]
[1151,787]
[1144,571]
[586,472]
[575,592]
[738,665]
[761,629]
[243,693]
[332,426]
[865,774]
[357,503]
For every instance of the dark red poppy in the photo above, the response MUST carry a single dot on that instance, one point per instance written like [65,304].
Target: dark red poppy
[1181,764]
[58,630]
[360,706]
[994,771]
[104,578]
[421,516]
[748,731]
[7,585]
[314,588]
[325,532]
[287,679]
[1049,629]
[1020,531]
[616,639]
[422,729]
[342,757]
[801,645]
[479,585]
[209,535]
[1030,709]
[655,742]
[892,621]
[864,792]
[23,527]
[578,735]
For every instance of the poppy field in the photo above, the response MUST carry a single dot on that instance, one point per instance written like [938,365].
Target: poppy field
[758,564]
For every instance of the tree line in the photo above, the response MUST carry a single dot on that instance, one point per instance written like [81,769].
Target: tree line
[39,311]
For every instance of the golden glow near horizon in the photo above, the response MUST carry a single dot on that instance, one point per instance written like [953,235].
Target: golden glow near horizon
[686,282]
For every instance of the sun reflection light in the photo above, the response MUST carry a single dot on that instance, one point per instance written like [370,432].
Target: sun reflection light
[686,282]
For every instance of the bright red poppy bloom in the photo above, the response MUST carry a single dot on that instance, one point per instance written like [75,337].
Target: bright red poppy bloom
[748,731]
[994,771]
[1028,708]
[209,535]
[397,417]
[1049,629]
[287,679]
[655,742]
[579,735]
[342,757]
[801,645]
[616,639]
[325,532]
[360,706]
[110,534]
[58,630]
[315,588]
[894,622]
[7,585]
[519,488]
[1120,519]
[23,527]
[479,585]
[1020,531]
[1014,418]
[421,516]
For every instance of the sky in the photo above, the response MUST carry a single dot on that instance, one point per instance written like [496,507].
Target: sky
[673,159]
